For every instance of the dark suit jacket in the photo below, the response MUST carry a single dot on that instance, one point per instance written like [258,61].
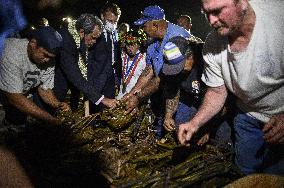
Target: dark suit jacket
[100,71]
[67,70]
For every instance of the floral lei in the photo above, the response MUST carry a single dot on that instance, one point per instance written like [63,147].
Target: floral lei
[133,37]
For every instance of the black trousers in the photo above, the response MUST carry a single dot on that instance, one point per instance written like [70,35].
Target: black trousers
[108,90]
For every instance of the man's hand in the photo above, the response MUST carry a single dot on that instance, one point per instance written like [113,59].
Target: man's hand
[126,97]
[64,107]
[274,130]
[131,104]
[185,132]
[169,124]
[109,103]
[204,139]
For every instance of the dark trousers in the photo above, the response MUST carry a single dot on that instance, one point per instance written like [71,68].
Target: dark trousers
[158,108]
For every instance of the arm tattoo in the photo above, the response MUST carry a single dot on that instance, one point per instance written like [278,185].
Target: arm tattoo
[146,71]
[149,89]
[172,104]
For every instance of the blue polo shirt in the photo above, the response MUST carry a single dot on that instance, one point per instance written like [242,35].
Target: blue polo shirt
[155,56]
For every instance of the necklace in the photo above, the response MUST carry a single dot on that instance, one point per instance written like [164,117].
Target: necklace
[128,70]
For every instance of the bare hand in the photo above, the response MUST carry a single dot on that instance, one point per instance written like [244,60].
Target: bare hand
[64,107]
[186,132]
[110,103]
[274,130]
[131,103]
[169,124]
[126,97]
[204,139]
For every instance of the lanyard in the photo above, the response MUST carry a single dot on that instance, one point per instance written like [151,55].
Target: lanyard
[128,71]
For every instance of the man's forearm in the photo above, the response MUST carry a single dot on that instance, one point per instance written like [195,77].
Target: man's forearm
[144,79]
[28,107]
[171,105]
[213,102]
[48,97]
[149,89]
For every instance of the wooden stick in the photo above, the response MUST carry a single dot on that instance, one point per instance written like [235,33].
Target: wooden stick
[87,108]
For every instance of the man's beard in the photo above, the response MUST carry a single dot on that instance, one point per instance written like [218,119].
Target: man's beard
[225,30]
[221,31]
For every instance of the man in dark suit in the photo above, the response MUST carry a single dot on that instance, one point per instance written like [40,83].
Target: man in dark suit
[103,57]
[68,72]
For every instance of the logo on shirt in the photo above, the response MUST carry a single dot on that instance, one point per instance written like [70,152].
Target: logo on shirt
[31,80]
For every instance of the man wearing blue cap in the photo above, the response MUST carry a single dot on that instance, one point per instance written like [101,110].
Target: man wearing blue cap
[28,66]
[158,28]
[155,25]
[182,76]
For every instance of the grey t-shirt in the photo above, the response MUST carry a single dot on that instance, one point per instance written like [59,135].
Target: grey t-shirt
[254,75]
[18,74]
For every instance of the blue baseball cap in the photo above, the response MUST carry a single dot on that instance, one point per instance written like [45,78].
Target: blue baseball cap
[48,38]
[175,55]
[150,13]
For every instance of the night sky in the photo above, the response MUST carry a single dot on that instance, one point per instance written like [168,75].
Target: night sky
[130,11]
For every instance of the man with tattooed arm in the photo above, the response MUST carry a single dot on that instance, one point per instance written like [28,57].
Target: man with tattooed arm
[155,26]
[163,52]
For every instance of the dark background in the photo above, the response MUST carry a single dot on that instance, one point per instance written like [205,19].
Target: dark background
[131,10]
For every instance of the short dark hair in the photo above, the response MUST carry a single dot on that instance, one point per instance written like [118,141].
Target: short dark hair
[186,16]
[112,7]
[87,22]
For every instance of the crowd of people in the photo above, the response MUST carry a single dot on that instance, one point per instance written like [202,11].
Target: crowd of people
[237,71]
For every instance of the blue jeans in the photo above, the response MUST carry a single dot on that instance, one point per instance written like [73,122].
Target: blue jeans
[184,113]
[253,155]
[223,132]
